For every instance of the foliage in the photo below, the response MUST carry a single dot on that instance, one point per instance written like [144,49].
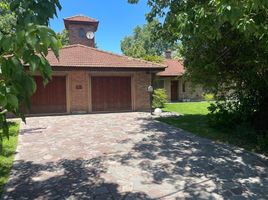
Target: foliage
[223,114]
[225,49]
[7,19]
[25,42]
[144,43]
[63,37]
[209,97]
[7,155]
[156,59]
[159,98]
[178,52]
[195,120]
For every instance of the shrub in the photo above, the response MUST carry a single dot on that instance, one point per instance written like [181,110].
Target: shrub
[159,98]
[223,114]
[209,97]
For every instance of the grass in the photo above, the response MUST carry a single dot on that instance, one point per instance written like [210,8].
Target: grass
[189,108]
[7,156]
[195,120]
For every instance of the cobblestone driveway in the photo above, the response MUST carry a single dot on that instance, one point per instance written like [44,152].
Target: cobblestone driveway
[128,156]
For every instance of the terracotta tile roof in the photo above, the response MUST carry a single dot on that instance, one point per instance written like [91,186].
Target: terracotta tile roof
[82,56]
[174,68]
[81,18]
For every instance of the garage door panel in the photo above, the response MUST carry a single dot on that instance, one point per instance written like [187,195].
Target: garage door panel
[111,93]
[50,98]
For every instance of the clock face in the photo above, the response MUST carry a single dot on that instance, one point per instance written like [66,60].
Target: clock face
[90,35]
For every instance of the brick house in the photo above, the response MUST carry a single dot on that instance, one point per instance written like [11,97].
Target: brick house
[86,79]
[171,79]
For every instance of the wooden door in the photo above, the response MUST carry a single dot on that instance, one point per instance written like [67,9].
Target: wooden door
[111,93]
[174,90]
[50,98]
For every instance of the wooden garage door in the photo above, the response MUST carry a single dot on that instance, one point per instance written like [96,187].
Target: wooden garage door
[111,93]
[51,98]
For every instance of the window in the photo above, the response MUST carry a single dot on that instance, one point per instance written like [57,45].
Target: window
[159,84]
[82,33]
[184,86]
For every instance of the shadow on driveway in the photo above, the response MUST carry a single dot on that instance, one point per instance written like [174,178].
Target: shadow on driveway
[162,163]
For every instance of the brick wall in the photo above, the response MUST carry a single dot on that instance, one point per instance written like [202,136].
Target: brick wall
[78,85]
[78,94]
[75,37]
[142,97]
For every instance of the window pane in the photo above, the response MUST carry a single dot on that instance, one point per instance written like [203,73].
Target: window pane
[81,33]
[183,87]
[159,84]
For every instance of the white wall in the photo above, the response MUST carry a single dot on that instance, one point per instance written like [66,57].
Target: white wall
[193,94]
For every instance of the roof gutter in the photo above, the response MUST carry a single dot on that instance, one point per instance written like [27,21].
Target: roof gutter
[149,69]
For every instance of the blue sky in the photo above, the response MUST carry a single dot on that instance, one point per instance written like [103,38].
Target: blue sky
[117,19]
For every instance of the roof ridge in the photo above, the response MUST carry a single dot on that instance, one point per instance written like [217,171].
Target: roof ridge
[111,53]
[80,15]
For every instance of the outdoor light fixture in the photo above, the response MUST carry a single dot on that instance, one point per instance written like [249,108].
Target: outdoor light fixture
[150,89]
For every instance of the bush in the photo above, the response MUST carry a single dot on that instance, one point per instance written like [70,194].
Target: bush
[223,114]
[159,98]
[209,97]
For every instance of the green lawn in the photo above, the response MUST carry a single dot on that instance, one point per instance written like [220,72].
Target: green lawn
[195,120]
[189,108]
[7,156]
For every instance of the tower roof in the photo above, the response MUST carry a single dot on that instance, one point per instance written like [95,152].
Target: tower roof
[80,19]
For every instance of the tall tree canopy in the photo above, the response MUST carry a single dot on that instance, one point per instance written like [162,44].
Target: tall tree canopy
[24,41]
[7,19]
[144,43]
[225,49]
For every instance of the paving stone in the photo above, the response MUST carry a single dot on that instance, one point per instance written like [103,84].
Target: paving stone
[258,190]
[103,197]
[237,191]
[227,194]
[239,197]
[101,190]
[128,156]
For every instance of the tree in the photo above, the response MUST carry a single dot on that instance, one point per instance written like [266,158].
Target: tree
[178,52]
[156,59]
[63,37]
[144,43]
[24,42]
[7,19]
[225,49]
